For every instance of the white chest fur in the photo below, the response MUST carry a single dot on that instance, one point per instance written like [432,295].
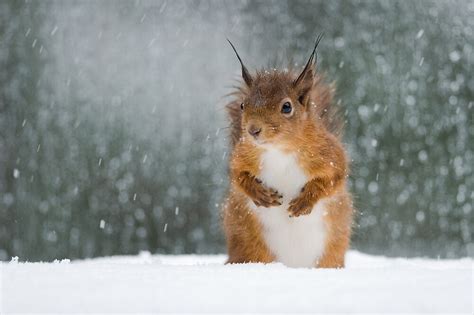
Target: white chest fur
[296,242]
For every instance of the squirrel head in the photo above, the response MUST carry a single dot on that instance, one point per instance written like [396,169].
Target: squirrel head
[276,103]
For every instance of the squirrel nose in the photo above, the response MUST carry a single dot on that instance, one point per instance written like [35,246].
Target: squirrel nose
[254,130]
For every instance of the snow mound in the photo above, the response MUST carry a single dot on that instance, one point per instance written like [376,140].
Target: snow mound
[191,283]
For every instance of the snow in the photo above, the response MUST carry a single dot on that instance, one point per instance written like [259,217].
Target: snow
[189,283]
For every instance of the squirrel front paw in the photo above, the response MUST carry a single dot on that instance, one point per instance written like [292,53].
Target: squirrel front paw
[301,205]
[264,196]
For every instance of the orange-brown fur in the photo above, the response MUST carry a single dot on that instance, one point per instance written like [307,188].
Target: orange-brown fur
[312,132]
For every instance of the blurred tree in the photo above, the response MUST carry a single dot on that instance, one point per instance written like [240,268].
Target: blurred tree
[21,64]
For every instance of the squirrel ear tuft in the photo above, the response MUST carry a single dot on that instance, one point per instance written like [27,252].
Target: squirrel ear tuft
[305,80]
[245,73]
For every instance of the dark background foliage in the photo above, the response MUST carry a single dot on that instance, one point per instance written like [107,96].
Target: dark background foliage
[113,134]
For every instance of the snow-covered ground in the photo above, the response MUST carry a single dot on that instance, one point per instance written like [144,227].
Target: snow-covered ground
[156,283]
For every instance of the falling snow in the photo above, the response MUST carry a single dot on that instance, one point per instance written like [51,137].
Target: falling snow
[122,120]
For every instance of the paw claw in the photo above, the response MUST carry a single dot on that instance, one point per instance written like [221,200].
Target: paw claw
[299,207]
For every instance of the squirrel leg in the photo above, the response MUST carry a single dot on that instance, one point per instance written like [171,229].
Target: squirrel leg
[338,222]
[334,254]
[310,194]
[257,191]
[244,236]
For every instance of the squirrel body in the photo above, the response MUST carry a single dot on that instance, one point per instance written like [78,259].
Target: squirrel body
[298,241]
[287,200]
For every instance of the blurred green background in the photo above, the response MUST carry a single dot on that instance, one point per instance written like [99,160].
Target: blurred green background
[113,135]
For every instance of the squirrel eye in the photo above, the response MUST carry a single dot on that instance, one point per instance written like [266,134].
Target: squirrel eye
[286,108]
[242,106]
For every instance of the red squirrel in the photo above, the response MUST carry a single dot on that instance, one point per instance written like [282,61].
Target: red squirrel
[288,201]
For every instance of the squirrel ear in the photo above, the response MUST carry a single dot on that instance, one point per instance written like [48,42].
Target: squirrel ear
[245,73]
[305,80]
